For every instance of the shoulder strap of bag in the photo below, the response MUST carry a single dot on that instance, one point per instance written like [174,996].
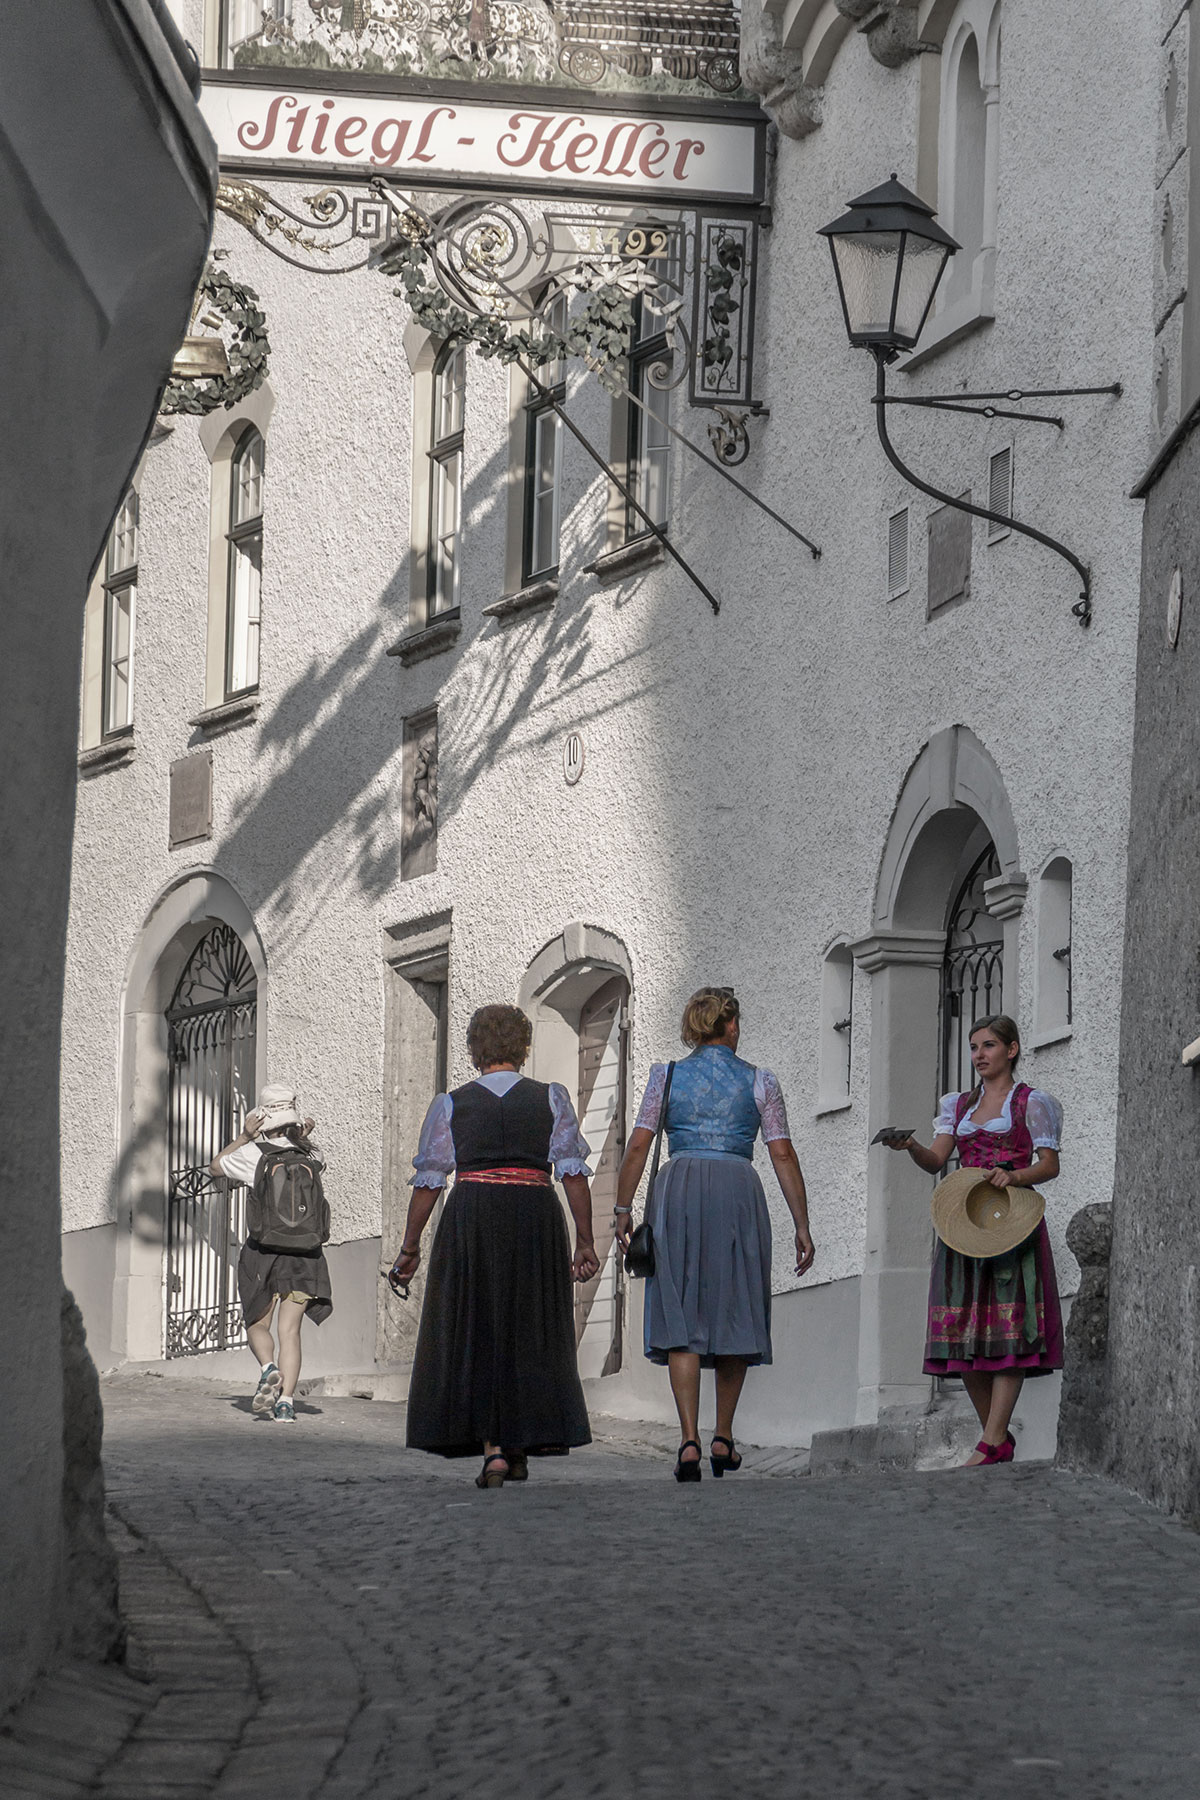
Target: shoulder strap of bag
[658,1136]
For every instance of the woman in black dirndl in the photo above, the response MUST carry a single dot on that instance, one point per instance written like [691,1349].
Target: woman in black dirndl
[495,1369]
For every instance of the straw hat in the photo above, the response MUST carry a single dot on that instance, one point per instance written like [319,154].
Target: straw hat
[977,1219]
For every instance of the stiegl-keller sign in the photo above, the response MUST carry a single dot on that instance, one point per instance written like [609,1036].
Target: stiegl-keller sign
[676,159]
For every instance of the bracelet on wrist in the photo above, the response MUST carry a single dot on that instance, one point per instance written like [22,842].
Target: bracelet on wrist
[622,1209]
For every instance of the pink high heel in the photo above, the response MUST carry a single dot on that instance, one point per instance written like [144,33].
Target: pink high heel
[994,1453]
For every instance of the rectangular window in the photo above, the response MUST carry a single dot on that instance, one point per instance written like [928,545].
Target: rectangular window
[543,462]
[243,597]
[648,452]
[898,554]
[446,456]
[120,614]
[1000,491]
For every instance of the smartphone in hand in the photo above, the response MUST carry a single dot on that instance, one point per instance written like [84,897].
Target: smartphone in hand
[893,1134]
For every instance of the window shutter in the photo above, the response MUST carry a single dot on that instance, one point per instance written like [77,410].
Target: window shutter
[898,554]
[1000,491]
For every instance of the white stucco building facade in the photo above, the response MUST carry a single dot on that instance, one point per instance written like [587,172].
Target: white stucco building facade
[870,783]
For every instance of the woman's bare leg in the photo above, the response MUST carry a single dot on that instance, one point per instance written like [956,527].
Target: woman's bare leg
[683,1367]
[259,1335]
[1006,1391]
[731,1376]
[291,1316]
[978,1383]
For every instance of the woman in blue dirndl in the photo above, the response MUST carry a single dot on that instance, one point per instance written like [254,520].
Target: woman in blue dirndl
[708,1303]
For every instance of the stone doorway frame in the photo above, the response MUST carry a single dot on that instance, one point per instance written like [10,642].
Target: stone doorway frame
[173,927]
[952,789]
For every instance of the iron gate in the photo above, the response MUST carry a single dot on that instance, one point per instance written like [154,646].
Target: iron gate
[211,1026]
[972,973]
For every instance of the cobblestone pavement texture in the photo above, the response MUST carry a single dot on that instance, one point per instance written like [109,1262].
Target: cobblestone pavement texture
[315,1611]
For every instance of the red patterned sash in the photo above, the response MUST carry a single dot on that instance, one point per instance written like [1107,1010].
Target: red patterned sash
[509,1177]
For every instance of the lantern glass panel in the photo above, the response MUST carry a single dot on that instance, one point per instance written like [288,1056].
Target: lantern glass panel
[867,265]
[920,272]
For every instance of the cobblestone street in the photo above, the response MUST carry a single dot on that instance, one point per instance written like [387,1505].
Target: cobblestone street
[315,1611]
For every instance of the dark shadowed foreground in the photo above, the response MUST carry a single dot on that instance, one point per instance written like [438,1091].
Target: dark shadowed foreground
[316,1611]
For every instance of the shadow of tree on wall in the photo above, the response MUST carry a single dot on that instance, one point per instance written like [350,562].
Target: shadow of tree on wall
[325,809]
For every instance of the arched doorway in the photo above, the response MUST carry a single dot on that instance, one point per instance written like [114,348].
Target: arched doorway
[577,991]
[198,949]
[212,1029]
[943,950]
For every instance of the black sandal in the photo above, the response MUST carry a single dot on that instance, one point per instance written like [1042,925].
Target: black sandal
[688,1471]
[731,1462]
[484,1480]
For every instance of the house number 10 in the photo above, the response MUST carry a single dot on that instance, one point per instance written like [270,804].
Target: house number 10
[573,755]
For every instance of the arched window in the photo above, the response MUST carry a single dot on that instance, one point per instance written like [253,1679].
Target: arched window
[1055,1000]
[243,597]
[445,495]
[837,1027]
[965,184]
[120,609]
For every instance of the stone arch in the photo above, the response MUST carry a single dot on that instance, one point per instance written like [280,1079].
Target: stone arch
[175,923]
[952,803]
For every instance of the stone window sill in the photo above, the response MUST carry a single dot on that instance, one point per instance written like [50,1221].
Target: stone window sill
[114,753]
[1059,1034]
[539,596]
[626,559]
[241,711]
[431,640]
[833,1106]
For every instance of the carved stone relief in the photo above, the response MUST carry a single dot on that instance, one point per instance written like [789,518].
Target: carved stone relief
[418,838]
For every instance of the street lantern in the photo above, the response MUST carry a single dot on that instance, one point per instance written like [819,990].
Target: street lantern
[888,255]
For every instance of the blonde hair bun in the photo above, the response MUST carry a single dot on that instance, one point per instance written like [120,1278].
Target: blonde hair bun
[707,1013]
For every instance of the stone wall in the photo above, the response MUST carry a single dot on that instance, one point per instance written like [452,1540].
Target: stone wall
[1154,1342]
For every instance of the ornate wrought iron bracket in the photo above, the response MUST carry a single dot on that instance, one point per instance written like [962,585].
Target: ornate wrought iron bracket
[952,403]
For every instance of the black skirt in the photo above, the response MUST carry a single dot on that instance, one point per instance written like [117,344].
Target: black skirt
[264,1275]
[495,1354]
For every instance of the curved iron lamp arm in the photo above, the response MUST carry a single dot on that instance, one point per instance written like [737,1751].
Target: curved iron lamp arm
[1083,607]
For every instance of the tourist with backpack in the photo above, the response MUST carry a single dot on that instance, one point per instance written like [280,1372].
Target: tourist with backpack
[282,1260]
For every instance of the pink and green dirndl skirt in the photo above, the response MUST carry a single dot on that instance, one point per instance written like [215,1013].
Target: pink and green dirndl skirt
[996,1313]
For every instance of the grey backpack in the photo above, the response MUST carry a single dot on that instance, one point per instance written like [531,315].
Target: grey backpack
[286,1209]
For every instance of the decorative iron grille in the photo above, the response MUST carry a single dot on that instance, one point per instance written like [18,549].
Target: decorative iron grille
[212,1029]
[972,973]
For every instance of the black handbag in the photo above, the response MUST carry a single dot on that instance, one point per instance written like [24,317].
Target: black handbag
[639,1258]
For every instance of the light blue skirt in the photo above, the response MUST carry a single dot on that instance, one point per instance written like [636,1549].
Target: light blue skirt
[711,1287]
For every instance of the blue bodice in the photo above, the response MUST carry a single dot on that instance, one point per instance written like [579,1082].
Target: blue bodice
[712,1110]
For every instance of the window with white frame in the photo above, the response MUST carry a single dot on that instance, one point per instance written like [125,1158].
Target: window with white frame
[446,479]
[648,444]
[837,1026]
[120,620]
[1055,987]
[968,135]
[243,597]
[543,462]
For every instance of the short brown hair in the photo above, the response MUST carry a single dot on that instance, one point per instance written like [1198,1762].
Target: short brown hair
[499,1034]
[707,1013]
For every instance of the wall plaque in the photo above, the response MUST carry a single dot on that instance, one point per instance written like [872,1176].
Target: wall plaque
[190,818]
[574,754]
[419,773]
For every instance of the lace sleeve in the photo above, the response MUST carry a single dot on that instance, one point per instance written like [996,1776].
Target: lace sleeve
[1044,1117]
[434,1160]
[768,1097]
[647,1119]
[943,1125]
[568,1148]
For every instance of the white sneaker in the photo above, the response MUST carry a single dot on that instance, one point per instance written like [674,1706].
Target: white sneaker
[270,1386]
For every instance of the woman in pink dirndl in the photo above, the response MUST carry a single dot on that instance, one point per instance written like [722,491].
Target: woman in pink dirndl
[995,1320]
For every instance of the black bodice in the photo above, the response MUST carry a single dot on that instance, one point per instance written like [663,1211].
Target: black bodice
[502,1130]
